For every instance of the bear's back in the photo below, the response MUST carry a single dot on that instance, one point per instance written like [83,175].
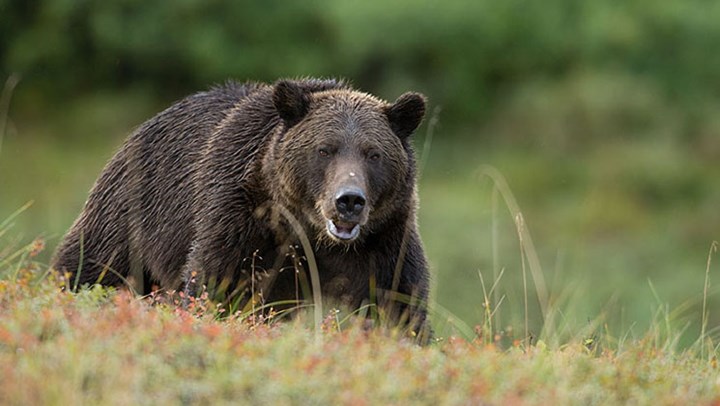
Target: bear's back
[161,157]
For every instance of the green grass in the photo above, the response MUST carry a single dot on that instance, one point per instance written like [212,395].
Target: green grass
[101,346]
[605,224]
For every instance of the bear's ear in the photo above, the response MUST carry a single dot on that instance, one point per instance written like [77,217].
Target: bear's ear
[406,113]
[291,102]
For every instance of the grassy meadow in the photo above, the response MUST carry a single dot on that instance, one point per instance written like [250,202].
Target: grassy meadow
[101,346]
[568,200]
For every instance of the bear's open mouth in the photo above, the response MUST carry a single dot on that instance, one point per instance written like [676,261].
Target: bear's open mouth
[342,230]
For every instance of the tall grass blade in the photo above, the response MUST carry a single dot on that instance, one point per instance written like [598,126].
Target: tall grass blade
[312,265]
[445,314]
[705,312]
[497,272]
[80,263]
[5,98]
[434,119]
[527,246]
[6,223]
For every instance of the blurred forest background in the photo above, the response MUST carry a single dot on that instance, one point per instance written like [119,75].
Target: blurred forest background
[603,116]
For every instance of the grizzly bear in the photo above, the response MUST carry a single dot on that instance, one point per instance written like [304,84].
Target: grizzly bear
[217,191]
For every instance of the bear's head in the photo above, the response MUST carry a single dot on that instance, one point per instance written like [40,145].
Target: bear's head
[342,159]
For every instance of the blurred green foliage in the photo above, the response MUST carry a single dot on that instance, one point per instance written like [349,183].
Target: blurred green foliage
[467,55]
[602,115]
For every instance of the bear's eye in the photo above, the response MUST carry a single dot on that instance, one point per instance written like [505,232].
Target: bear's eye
[374,156]
[324,152]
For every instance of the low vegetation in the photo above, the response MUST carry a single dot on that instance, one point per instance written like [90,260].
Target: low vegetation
[104,346]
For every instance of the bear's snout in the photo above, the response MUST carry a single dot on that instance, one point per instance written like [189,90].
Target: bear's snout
[350,203]
[351,212]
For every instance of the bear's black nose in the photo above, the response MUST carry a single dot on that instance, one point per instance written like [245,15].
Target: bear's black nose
[350,203]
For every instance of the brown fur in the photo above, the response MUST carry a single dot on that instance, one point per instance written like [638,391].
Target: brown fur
[193,196]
